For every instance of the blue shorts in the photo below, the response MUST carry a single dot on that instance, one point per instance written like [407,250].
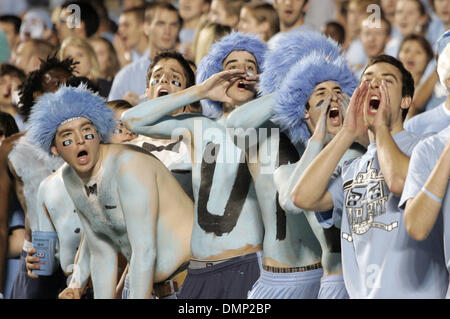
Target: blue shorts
[295,285]
[231,279]
[332,287]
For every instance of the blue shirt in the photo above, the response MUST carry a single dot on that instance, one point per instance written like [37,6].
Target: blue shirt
[130,78]
[379,258]
[432,121]
[423,160]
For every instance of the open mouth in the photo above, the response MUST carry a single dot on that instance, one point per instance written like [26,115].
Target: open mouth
[334,115]
[374,103]
[82,157]
[241,85]
[162,92]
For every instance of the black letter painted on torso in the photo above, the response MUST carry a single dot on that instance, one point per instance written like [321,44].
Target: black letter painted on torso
[216,224]
[287,154]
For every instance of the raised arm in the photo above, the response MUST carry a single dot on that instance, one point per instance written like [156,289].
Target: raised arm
[393,162]
[142,117]
[252,114]
[321,169]
[138,193]
[422,210]
[292,172]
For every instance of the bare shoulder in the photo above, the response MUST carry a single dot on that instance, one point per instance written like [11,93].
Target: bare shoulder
[134,156]
[8,144]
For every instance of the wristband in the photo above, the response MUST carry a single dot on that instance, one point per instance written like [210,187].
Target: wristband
[431,195]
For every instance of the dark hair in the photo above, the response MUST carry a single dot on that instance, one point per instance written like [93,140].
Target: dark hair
[150,10]
[88,16]
[75,81]
[339,29]
[407,79]
[9,69]
[189,74]
[423,42]
[15,20]
[8,124]
[33,83]
[116,105]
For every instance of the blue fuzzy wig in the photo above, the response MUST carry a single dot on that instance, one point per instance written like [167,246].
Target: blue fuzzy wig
[212,63]
[300,82]
[290,48]
[52,109]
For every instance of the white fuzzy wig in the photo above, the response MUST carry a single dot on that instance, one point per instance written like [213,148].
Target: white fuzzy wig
[444,67]
[52,109]
[212,63]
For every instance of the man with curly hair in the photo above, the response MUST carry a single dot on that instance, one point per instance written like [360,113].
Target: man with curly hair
[22,168]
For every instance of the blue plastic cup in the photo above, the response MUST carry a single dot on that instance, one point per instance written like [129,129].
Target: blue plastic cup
[45,244]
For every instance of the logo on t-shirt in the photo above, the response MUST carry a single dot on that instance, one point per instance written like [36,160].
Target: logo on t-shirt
[365,199]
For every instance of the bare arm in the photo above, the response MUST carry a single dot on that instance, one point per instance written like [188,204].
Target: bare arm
[422,211]
[393,163]
[103,263]
[142,117]
[319,172]
[80,275]
[252,114]
[423,93]
[138,193]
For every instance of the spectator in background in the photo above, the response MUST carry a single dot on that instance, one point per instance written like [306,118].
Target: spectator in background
[410,18]
[14,233]
[440,21]
[129,4]
[89,21]
[191,11]
[106,27]
[291,15]
[415,53]
[259,18]
[11,78]
[335,31]
[226,12]
[11,27]
[36,24]
[131,41]
[354,50]
[388,8]
[107,58]
[87,65]
[374,38]
[163,23]
[206,35]
[437,119]
[28,55]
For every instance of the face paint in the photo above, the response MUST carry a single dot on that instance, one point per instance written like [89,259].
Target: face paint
[250,74]
[176,83]
[89,136]
[154,82]
[117,131]
[67,142]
